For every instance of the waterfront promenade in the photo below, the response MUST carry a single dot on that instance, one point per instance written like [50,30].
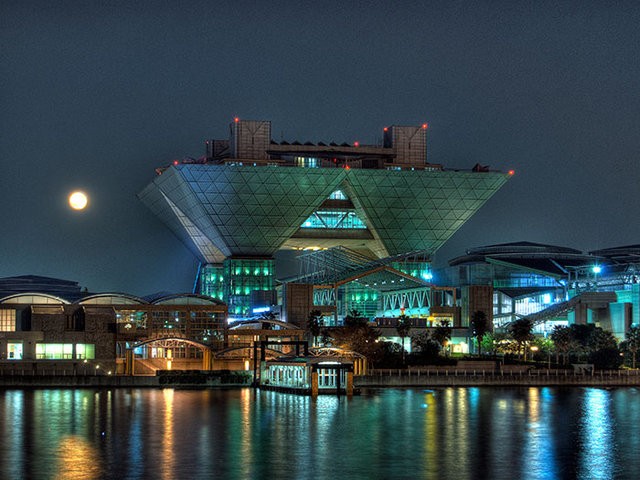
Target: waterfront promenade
[453,377]
[387,378]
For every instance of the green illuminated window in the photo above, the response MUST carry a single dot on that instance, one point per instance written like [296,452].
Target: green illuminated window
[334,219]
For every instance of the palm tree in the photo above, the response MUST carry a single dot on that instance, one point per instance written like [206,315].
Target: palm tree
[442,333]
[521,332]
[479,327]
[314,325]
[403,327]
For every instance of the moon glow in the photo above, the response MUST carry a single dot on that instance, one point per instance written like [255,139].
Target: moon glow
[78,200]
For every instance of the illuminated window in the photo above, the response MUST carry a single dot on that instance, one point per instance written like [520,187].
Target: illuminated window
[14,350]
[85,350]
[338,195]
[54,351]
[307,162]
[7,320]
[334,219]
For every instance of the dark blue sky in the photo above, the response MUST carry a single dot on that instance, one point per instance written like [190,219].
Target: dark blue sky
[94,95]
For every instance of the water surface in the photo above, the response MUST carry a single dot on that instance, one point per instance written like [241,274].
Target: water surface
[457,433]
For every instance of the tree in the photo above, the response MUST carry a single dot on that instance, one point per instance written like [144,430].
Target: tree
[426,348]
[632,343]
[403,327]
[479,327]
[607,358]
[520,330]
[489,343]
[314,325]
[442,333]
[354,319]
[356,335]
[561,337]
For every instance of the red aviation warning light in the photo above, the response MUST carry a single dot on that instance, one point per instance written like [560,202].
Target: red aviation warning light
[236,119]
[512,172]
[425,126]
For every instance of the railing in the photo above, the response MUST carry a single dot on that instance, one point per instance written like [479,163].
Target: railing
[509,372]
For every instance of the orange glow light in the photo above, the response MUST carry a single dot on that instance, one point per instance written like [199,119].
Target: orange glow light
[512,172]
[236,119]
[425,126]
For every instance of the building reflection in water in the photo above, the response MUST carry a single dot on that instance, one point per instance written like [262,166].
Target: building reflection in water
[391,433]
[77,459]
[432,435]
[539,449]
[168,470]
[596,445]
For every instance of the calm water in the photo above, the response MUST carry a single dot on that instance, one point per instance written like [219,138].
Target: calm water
[452,433]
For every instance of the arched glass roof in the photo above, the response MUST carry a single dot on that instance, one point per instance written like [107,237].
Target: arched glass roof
[187,299]
[111,299]
[34,298]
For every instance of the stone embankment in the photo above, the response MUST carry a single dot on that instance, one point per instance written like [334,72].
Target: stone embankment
[480,378]
[186,379]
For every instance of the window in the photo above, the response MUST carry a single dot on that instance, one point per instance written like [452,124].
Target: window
[7,320]
[14,350]
[64,351]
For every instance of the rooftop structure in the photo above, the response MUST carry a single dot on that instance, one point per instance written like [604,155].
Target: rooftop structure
[249,197]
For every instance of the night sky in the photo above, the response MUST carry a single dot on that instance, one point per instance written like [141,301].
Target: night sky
[95,95]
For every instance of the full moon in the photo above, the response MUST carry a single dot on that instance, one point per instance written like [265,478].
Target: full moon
[78,200]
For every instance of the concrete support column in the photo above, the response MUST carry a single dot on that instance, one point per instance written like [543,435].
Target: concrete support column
[129,360]
[349,386]
[206,360]
[314,384]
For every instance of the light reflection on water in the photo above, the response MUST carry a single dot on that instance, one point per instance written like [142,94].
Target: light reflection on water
[444,433]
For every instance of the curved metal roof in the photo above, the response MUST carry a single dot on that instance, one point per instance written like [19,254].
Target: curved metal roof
[34,298]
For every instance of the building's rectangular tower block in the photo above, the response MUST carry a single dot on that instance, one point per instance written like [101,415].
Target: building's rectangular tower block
[250,139]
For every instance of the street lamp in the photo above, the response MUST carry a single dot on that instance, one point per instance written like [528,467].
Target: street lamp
[534,349]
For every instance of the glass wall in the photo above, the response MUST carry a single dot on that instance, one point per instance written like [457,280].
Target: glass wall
[212,281]
[339,219]
[421,270]
[65,351]
[360,298]
[245,276]
[7,320]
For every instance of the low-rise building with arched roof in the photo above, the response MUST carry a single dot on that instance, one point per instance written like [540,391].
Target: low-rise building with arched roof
[41,333]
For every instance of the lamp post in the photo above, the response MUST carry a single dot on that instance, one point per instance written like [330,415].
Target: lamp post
[534,349]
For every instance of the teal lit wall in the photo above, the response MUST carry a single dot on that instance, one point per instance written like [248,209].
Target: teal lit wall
[244,276]
[358,297]
[421,270]
[234,280]
[212,281]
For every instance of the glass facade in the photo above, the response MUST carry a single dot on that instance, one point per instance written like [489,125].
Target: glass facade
[307,162]
[65,351]
[334,219]
[421,270]
[212,281]
[7,320]
[236,282]
[244,278]
[363,299]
